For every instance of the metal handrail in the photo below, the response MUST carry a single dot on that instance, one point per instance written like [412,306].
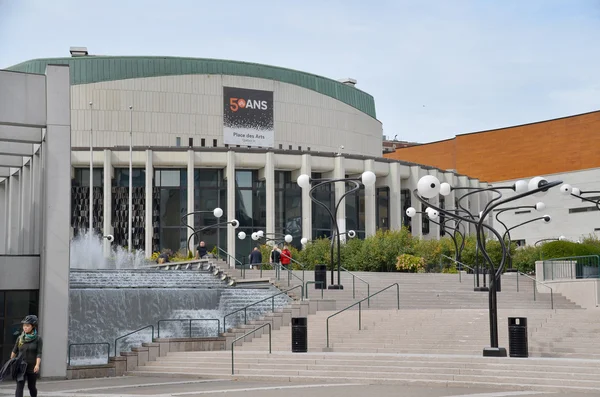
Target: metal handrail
[228,255]
[190,320]
[572,259]
[272,297]
[462,265]
[133,332]
[89,344]
[312,282]
[246,334]
[353,285]
[360,309]
[298,263]
[290,273]
[534,288]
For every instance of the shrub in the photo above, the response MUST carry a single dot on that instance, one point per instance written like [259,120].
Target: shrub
[562,249]
[410,263]
[524,258]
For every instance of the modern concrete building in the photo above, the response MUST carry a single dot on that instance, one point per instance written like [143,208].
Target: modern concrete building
[561,149]
[35,182]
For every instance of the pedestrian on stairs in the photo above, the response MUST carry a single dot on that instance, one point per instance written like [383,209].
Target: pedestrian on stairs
[275,256]
[255,258]
[286,256]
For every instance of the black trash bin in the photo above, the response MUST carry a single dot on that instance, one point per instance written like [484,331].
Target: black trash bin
[518,345]
[320,276]
[299,335]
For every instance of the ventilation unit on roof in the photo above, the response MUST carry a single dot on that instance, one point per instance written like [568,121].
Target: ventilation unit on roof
[78,51]
[348,81]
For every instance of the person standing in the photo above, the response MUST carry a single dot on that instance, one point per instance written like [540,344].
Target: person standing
[255,258]
[201,252]
[29,346]
[275,256]
[286,256]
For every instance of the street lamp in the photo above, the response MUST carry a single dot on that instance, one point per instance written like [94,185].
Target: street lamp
[217,212]
[305,182]
[429,187]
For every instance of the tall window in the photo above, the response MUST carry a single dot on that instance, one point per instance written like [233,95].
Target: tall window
[14,306]
[172,184]
[355,211]
[80,200]
[406,204]
[321,220]
[250,208]
[383,208]
[210,192]
[424,220]
[288,207]
[120,207]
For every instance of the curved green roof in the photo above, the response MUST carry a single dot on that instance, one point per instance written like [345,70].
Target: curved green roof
[94,69]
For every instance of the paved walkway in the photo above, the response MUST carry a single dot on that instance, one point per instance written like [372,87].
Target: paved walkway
[164,387]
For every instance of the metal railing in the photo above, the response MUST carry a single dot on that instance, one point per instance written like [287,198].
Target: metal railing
[574,267]
[360,309]
[461,266]
[534,287]
[189,320]
[134,332]
[272,298]
[246,334]
[312,282]
[228,256]
[354,276]
[90,344]
[290,273]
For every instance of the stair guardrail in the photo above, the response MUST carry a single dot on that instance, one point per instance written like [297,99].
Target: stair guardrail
[297,263]
[246,334]
[461,265]
[312,282]
[290,273]
[134,332]
[354,286]
[360,309]
[89,344]
[228,256]
[571,267]
[272,298]
[189,320]
[534,282]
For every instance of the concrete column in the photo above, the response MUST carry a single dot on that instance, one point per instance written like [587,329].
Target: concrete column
[306,169]
[190,197]
[3,217]
[149,203]
[463,181]
[449,200]
[37,181]
[395,183]
[416,222]
[269,176]
[370,203]
[54,277]
[434,228]
[475,199]
[14,213]
[25,242]
[108,176]
[339,171]
[230,176]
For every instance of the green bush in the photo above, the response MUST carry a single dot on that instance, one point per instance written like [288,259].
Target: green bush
[524,258]
[563,249]
[410,263]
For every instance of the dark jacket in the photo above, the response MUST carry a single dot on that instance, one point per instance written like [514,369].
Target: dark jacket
[275,256]
[29,351]
[14,369]
[255,257]
[202,252]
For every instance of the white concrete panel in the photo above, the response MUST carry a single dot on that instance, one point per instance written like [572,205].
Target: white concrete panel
[107,202]
[370,202]
[149,200]
[306,200]
[25,238]
[24,272]
[20,134]
[190,198]
[3,216]
[22,98]
[14,211]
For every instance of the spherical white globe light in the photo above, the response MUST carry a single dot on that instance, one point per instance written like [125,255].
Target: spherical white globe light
[260,233]
[254,236]
[288,238]
[480,214]
[520,187]
[540,206]
[368,178]
[303,181]
[562,238]
[303,241]
[217,212]
[234,223]
[536,183]
[445,189]
[351,233]
[547,218]
[433,214]
[428,209]
[428,186]
[566,189]
[576,191]
[241,235]
[410,212]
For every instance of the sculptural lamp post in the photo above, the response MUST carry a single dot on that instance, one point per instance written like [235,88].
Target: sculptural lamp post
[429,187]
[306,182]
[217,212]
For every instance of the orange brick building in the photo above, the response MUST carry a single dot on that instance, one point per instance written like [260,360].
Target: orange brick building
[547,147]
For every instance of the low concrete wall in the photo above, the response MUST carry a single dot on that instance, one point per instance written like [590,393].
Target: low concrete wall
[129,361]
[584,291]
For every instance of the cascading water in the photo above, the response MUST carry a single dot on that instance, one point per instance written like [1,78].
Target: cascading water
[87,252]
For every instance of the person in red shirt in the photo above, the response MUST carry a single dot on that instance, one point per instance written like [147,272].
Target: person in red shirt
[286,256]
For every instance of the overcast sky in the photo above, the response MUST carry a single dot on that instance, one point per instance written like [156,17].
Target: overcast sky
[435,68]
